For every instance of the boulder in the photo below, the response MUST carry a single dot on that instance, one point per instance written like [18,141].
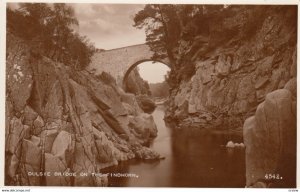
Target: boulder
[38,125]
[62,146]
[270,139]
[54,164]
[13,165]
[83,162]
[230,144]
[291,85]
[146,103]
[31,162]
[29,116]
[108,95]
[17,131]
[50,136]
[147,154]
[144,126]
[105,152]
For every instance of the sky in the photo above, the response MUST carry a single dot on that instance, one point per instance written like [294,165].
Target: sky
[153,72]
[109,26]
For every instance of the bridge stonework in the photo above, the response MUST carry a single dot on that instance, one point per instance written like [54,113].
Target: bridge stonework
[119,62]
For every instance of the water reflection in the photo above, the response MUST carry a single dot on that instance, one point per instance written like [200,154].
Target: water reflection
[193,159]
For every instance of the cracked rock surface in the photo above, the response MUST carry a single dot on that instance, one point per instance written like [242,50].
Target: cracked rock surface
[61,120]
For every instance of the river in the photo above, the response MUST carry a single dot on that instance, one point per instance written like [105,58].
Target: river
[193,159]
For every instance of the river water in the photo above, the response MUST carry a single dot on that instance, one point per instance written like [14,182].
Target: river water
[194,158]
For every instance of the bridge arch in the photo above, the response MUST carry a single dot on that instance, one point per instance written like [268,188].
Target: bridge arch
[134,65]
[118,62]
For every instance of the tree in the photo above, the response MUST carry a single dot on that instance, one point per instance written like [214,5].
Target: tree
[30,20]
[50,28]
[60,25]
[162,29]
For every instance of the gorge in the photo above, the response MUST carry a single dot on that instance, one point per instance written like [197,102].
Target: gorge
[232,78]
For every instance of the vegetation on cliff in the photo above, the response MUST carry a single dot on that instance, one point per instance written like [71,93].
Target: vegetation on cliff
[50,30]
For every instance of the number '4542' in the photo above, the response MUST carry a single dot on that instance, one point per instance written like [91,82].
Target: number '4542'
[272,176]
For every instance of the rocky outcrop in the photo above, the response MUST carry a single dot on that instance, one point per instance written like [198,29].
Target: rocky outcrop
[135,84]
[146,103]
[143,126]
[270,139]
[65,122]
[233,78]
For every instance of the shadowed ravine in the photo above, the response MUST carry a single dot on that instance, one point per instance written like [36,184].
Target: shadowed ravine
[73,111]
[193,159]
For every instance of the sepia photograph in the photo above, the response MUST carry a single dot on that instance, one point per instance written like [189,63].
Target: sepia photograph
[151,95]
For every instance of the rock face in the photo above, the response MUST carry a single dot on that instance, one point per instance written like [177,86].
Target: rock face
[232,79]
[146,103]
[245,85]
[140,88]
[66,121]
[143,126]
[136,84]
[270,139]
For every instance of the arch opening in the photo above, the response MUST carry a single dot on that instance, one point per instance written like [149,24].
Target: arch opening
[151,72]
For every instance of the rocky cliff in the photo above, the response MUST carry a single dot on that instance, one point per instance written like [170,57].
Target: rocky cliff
[233,78]
[136,84]
[251,75]
[66,121]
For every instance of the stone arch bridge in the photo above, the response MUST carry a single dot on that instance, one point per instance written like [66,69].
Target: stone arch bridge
[120,62]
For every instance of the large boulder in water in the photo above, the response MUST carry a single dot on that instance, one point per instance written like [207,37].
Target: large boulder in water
[270,139]
[143,126]
[146,103]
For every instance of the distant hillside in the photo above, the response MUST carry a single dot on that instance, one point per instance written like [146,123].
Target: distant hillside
[159,89]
